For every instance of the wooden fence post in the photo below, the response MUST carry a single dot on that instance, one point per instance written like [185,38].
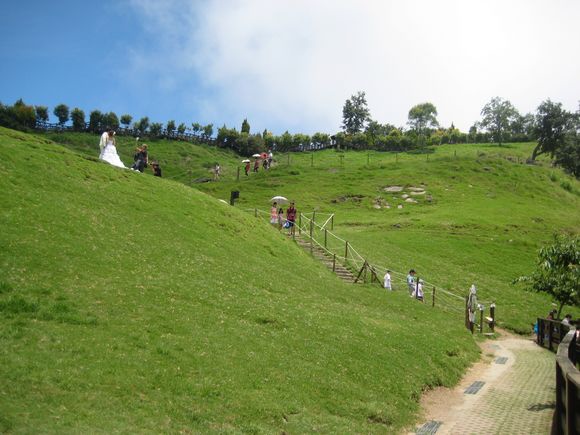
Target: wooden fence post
[313,215]
[332,223]
[492,315]
[238,177]
[333,262]
[481,319]
[433,303]
[346,251]
[325,237]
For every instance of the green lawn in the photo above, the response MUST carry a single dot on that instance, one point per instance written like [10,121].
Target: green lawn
[132,304]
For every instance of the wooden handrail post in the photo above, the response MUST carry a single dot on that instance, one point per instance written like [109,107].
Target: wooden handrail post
[325,237]
[480,320]
[433,303]
[333,262]
[311,229]
[492,315]
[346,251]
[332,222]
[238,177]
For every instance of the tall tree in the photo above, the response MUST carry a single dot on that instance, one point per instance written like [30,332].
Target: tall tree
[110,120]
[170,127]
[355,113]
[78,119]
[568,155]
[245,126]
[96,121]
[126,120]
[41,113]
[196,127]
[498,115]
[423,117]
[155,129]
[142,125]
[558,271]
[61,112]
[181,128]
[208,131]
[553,123]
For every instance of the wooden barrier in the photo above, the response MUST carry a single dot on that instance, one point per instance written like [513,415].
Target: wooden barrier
[567,414]
[550,333]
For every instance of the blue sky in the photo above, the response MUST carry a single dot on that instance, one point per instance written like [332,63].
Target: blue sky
[289,64]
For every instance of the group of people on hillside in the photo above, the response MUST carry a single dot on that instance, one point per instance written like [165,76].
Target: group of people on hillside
[109,154]
[277,217]
[265,159]
[415,286]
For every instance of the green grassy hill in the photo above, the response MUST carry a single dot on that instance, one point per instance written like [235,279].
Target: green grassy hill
[489,213]
[134,304]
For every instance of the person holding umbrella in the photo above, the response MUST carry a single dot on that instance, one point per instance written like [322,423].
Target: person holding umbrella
[256,164]
[247,167]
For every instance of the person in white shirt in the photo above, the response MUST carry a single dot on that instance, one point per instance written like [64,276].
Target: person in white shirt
[388,280]
[566,320]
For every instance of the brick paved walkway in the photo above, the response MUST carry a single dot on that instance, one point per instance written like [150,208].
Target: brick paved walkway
[518,396]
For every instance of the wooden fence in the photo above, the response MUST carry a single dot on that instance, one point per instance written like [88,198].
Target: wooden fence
[567,414]
[550,333]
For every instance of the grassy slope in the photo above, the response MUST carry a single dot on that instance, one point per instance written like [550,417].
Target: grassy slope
[488,217]
[136,304]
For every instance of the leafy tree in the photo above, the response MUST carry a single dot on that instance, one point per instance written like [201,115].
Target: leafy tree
[227,137]
[553,123]
[208,131]
[245,126]
[96,121]
[181,128]
[196,127]
[20,116]
[423,117]
[557,271]
[142,125]
[61,112]
[320,140]
[111,121]
[126,120]
[170,127]
[568,155]
[355,113]
[78,119]
[155,129]
[41,113]
[472,135]
[498,115]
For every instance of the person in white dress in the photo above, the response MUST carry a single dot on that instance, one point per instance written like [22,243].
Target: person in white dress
[109,152]
[388,280]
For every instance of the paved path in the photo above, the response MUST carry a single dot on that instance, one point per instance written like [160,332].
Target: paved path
[518,396]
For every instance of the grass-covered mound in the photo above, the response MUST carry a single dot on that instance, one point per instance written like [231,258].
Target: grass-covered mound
[481,219]
[136,304]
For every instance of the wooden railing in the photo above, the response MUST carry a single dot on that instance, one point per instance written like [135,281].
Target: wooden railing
[551,333]
[567,414]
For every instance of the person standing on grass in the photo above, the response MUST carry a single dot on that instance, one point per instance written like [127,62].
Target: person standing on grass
[418,292]
[291,218]
[411,282]
[141,159]
[280,218]
[388,280]
[256,165]
[247,168]
[274,214]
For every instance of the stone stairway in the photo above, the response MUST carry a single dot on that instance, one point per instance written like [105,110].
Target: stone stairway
[322,256]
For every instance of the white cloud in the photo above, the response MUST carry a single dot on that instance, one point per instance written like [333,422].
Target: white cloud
[290,64]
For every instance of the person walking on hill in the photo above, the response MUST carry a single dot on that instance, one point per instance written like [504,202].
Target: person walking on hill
[247,168]
[411,281]
[291,218]
[388,280]
[280,218]
[274,214]
[256,165]
[217,172]
[109,151]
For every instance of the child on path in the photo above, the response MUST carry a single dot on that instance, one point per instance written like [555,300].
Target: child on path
[274,214]
[411,282]
[280,218]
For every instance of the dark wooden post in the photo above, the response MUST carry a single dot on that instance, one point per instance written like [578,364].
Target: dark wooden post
[492,315]
[325,237]
[255,212]
[480,319]
[346,252]
[313,215]
[433,303]
[333,262]
[332,223]
[238,177]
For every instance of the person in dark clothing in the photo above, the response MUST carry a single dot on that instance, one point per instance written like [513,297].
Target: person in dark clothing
[156,169]
[247,168]
[256,165]
[141,159]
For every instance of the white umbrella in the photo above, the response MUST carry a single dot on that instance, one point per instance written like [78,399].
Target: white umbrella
[257,155]
[279,199]
[245,161]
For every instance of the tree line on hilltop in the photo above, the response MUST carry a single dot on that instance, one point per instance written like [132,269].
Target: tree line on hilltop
[555,129]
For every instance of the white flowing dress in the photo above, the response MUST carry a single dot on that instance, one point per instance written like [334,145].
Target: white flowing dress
[109,155]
